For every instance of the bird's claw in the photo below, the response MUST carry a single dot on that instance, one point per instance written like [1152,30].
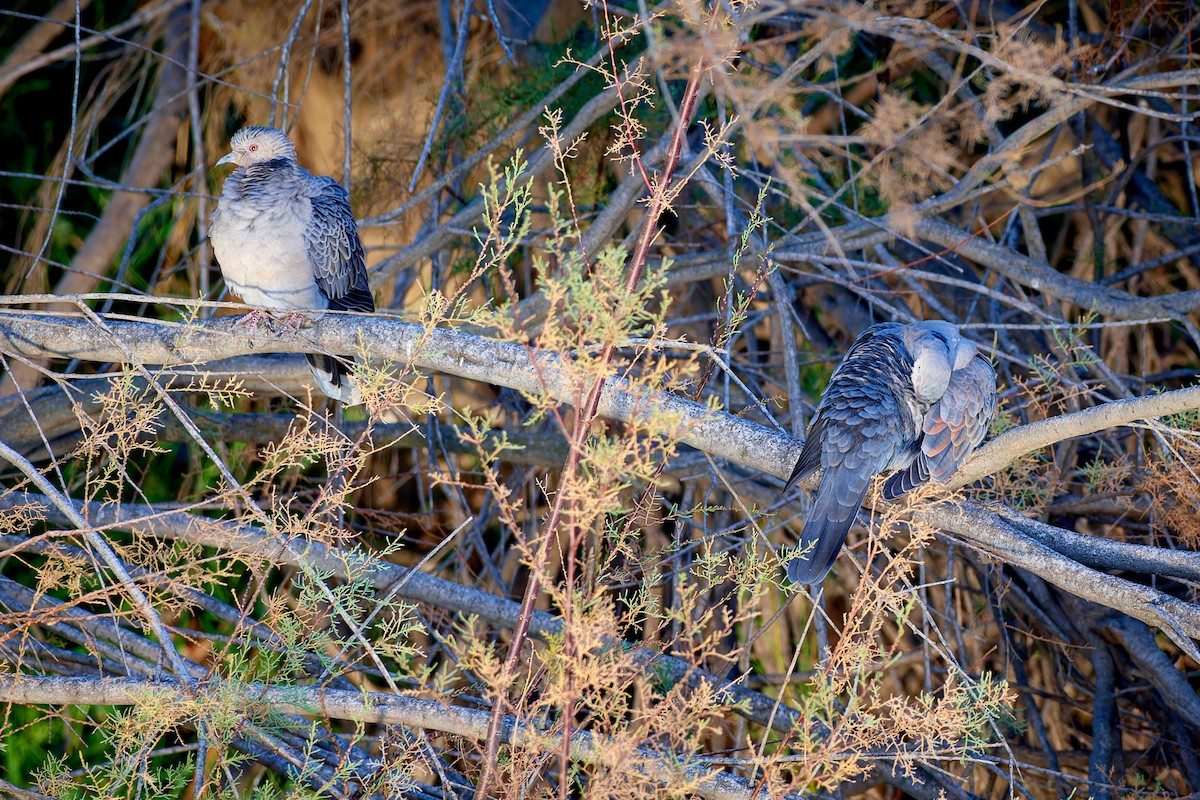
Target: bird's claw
[252,320]
[293,321]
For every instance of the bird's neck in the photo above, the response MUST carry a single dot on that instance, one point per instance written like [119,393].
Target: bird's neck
[250,181]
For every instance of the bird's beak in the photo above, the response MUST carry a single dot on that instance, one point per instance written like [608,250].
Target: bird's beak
[226,159]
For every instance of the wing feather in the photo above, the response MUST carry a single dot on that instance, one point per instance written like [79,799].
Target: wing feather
[862,426]
[953,427]
[335,251]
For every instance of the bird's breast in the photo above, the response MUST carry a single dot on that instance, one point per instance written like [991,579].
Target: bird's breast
[264,256]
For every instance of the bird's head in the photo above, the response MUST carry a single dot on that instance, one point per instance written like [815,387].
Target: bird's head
[255,145]
[935,346]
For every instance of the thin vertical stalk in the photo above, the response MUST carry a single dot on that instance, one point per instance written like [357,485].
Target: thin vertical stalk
[659,201]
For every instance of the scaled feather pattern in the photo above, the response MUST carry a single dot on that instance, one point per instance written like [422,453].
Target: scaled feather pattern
[286,239]
[916,398]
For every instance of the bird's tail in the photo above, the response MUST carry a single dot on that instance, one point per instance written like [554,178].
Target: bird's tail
[333,377]
[837,502]
[914,475]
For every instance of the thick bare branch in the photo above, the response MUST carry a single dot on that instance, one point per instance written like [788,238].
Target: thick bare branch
[719,434]
[439,350]
[1011,445]
[372,707]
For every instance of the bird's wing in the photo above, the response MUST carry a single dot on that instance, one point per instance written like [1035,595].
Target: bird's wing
[335,252]
[336,256]
[861,427]
[953,427]
[810,455]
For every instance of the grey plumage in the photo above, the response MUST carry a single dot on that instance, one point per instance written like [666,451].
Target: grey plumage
[286,239]
[953,427]
[906,397]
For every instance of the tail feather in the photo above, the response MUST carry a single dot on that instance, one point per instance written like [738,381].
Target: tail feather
[914,475]
[837,502]
[333,378]
[810,455]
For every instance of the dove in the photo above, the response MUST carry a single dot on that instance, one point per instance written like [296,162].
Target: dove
[286,239]
[916,399]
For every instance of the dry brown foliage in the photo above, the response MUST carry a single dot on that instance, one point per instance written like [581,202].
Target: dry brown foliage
[212,584]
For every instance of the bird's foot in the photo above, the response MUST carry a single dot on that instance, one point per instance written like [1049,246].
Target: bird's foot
[293,321]
[252,320]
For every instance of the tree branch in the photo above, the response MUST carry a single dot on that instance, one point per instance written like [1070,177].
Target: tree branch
[380,709]
[719,434]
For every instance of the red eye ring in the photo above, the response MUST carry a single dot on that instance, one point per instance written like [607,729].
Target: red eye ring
[253,148]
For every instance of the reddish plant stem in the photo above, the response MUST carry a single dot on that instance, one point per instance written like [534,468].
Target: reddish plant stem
[720,337]
[612,56]
[659,200]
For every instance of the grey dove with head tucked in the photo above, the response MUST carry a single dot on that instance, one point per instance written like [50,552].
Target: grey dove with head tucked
[286,239]
[916,398]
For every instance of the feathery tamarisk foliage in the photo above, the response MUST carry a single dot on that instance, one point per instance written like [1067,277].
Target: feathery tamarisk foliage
[632,257]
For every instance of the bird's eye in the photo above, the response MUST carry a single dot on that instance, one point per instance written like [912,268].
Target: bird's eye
[253,148]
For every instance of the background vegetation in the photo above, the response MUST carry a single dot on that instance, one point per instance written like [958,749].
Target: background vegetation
[617,250]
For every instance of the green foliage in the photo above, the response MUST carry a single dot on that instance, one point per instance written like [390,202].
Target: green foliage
[822,135]
[499,96]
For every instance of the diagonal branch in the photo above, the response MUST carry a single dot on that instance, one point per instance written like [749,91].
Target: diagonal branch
[722,435]
[1011,445]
